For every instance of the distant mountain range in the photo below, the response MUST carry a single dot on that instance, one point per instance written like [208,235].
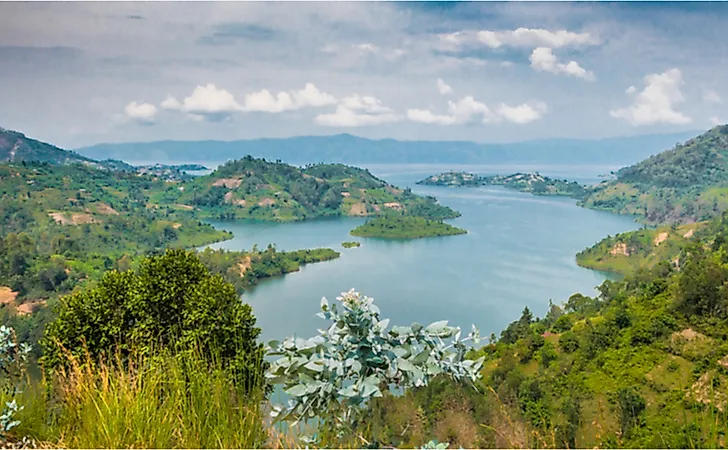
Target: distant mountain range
[348,149]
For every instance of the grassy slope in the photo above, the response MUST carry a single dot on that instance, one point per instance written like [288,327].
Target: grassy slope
[686,184]
[256,189]
[576,377]
[629,252]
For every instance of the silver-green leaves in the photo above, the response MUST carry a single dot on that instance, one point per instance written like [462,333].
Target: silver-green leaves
[356,358]
[13,358]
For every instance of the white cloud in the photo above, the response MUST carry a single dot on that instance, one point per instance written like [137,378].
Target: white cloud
[212,103]
[712,97]
[715,121]
[171,103]
[522,114]
[631,90]
[543,60]
[330,48]
[141,112]
[655,104]
[357,111]
[520,37]
[535,37]
[308,97]
[366,48]
[205,102]
[443,87]
[506,64]
[427,116]
[467,109]
[460,112]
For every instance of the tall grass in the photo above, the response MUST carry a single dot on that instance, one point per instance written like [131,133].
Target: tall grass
[166,400]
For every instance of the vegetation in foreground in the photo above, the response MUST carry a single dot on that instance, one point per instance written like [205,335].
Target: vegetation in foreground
[644,364]
[399,227]
[351,244]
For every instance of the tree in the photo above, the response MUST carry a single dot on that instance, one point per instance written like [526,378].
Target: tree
[333,374]
[13,365]
[171,301]
[631,405]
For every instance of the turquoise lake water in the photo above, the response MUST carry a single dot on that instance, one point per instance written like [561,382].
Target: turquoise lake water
[519,251]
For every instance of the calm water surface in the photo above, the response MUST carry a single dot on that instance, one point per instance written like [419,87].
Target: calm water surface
[519,251]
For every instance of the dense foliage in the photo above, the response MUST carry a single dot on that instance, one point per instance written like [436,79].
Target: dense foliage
[251,188]
[245,269]
[403,227]
[643,364]
[170,301]
[686,184]
[60,225]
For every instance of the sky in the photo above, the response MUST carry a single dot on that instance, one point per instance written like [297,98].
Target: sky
[76,74]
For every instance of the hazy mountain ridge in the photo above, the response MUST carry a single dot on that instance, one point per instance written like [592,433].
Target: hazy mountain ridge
[348,149]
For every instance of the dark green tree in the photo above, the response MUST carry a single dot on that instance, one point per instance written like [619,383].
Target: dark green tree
[171,301]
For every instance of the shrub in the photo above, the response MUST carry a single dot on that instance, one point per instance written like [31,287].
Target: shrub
[331,375]
[170,301]
[13,358]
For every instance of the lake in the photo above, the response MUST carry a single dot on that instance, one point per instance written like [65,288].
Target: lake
[519,251]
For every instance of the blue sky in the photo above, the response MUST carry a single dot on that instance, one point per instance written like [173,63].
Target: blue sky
[80,73]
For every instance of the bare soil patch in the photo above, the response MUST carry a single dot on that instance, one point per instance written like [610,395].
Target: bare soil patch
[230,183]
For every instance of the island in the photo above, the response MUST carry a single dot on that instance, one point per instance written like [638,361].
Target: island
[253,188]
[350,244]
[533,183]
[404,227]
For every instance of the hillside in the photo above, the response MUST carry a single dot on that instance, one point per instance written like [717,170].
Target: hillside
[252,188]
[61,224]
[348,149]
[644,364]
[533,183]
[626,253]
[16,147]
[686,184]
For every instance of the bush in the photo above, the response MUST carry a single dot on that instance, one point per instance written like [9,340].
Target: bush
[171,301]
[563,323]
[568,342]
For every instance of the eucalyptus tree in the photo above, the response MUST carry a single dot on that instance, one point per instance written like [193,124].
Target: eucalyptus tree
[13,359]
[329,377]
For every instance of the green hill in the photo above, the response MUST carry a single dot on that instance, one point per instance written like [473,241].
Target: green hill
[644,364]
[686,184]
[626,253]
[252,188]
[62,224]
[16,147]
